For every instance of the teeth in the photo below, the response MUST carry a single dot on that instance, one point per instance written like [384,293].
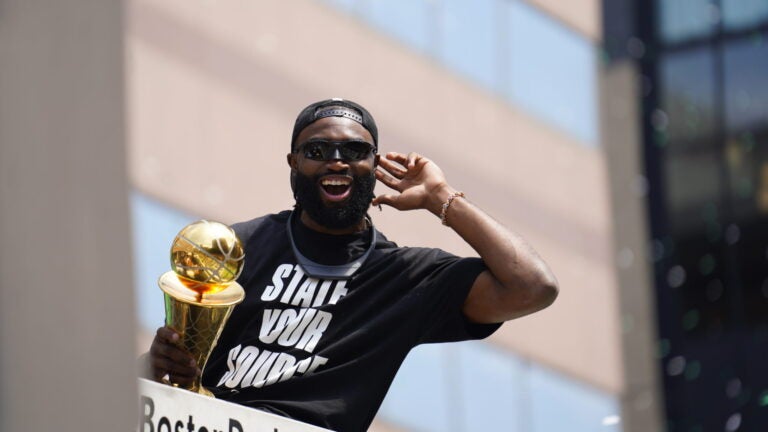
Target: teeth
[335,182]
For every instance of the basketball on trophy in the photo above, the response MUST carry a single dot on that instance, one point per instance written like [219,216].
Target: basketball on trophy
[207,256]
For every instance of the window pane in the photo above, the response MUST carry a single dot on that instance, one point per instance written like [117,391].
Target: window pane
[154,228]
[683,19]
[693,190]
[551,71]
[491,389]
[746,95]
[469,39]
[746,155]
[561,404]
[687,96]
[744,13]
[419,395]
[407,20]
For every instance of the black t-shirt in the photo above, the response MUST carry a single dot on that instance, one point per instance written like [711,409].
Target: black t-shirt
[326,351]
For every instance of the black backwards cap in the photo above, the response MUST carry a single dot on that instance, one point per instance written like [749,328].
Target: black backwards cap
[335,107]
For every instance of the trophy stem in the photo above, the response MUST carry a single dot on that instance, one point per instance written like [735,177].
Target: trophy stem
[198,324]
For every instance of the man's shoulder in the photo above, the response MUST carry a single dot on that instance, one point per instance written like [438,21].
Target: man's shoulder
[246,229]
[412,253]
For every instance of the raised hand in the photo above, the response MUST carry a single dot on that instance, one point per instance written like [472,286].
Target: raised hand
[420,182]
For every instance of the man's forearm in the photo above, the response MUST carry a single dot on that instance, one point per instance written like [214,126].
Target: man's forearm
[524,280]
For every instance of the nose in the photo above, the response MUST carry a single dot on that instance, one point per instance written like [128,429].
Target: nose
[336,154]
[336,162]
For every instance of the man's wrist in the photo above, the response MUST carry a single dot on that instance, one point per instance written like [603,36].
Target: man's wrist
[447,205]
[438,197]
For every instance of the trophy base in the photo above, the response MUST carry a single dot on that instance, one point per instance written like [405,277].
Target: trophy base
[195,388]
[199,389]
[205,392]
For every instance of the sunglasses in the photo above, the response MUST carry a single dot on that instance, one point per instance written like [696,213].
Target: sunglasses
[321,150]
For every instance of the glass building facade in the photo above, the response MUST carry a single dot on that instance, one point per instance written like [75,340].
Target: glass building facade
[704,66]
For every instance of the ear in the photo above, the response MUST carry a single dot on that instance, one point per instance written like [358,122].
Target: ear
[291,159]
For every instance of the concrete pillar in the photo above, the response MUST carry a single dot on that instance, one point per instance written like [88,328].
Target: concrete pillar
[66,300]
[641,403]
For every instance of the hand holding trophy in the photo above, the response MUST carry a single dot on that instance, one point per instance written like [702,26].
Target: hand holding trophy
[200,291]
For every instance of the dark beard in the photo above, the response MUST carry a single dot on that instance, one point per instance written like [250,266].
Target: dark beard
[342,215]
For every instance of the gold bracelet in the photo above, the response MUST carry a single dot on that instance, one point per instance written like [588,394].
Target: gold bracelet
[447,204]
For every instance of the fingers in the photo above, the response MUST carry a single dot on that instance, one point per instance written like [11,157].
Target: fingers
[410,163]
[167,334]
[390,181]
[390,200]
[400,165]
[395,169]
[168,358]
[387,178]
[400,158]
[411,160]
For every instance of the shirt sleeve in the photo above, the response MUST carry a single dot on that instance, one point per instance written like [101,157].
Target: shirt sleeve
[443,293]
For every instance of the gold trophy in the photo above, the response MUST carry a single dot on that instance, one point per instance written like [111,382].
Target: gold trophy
[200,291]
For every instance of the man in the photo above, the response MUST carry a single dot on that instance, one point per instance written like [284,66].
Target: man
[332,307]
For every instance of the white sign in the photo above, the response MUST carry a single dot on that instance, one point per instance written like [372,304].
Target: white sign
[167,409]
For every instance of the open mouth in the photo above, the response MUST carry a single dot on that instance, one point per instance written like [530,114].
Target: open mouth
[335,187]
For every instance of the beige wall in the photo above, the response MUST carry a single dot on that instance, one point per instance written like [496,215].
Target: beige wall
[213,90]
[583,16]
[66,299]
